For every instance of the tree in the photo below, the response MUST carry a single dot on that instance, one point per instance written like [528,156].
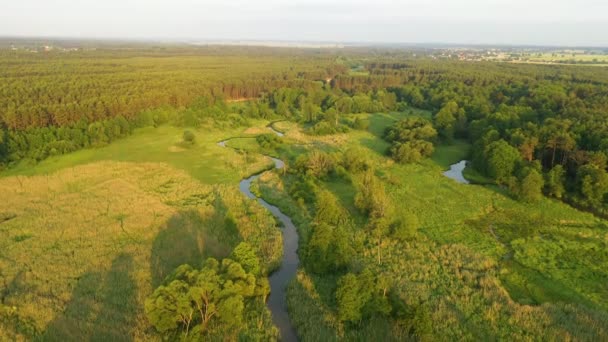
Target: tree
[331,117]
[592,183]
[282,109]
[378,228]
[329,248]
[371,197]
[310,111]
[554,182]
[445,120]
[355,159]
[192,300]
[170,306]
[362,295]
[3,144]
[501,160]
[328,210]
[411,151]
[373,292]
[360,124]
[97,134]
[344,105]
[245,255]
[423,323]
[409,129]
[530,185]
[348,298]
[316,163]
[412,139]
[230,310]
[269,140]
[317,249]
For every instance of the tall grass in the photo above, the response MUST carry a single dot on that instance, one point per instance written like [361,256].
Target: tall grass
[87,244]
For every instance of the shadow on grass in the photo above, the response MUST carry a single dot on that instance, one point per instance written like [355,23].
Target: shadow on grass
[345,191]
[575,322]
[103,307]
[189,238]
[379,122]
[309,312]
[378,145]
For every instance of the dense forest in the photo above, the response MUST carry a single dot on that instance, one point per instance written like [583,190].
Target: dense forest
[359,126]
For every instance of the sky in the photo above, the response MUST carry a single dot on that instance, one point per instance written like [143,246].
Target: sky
[508,22]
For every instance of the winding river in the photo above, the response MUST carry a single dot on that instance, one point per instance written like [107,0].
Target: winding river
[277,301]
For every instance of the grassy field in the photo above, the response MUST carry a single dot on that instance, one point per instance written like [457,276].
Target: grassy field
[205,160]
[484,265]
[85,237]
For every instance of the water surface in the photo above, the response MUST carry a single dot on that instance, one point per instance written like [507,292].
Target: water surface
[455,172]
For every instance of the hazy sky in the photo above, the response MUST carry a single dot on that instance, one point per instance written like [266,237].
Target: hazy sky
[558,22]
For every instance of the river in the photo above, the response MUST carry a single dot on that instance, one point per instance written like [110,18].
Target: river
[277,301]
[280,134]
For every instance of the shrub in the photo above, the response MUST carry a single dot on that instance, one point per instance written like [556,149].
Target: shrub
[188,137]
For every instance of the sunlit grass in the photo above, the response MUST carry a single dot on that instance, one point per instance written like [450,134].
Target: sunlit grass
[205,160]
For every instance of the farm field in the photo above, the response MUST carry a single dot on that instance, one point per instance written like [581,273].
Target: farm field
[568,58]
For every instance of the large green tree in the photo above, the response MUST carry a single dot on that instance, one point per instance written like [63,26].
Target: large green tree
[446,119]
[412,139]
[593,184]
[330,247]
[530,185]
[554,182]
[195,302]
[362,295]
[501,160]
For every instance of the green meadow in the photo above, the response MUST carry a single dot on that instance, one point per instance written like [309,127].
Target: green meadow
[204,160]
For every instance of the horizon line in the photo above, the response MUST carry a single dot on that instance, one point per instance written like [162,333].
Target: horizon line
[346,43]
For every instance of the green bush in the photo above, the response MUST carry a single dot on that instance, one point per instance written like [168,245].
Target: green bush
[188,137]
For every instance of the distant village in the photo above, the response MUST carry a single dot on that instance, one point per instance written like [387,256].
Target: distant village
[524,55]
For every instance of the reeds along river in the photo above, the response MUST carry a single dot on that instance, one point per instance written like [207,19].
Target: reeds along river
[277,301]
